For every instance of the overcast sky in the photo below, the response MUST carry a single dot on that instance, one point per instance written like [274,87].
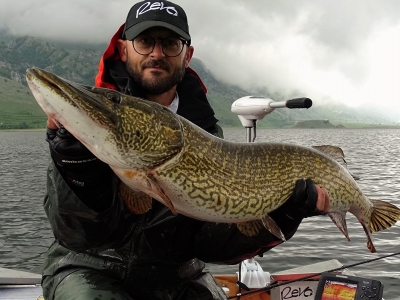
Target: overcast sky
[336,50]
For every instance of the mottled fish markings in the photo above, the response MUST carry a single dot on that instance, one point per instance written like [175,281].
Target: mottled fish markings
[158,154]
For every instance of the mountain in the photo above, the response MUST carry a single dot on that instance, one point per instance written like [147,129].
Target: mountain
[24,52]
[78,63]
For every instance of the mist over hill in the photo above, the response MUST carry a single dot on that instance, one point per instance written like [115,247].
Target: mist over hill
[78,62]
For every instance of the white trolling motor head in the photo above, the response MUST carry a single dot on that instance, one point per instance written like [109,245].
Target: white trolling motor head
[250,109]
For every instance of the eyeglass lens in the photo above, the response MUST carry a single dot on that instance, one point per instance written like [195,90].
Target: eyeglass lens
[144,45]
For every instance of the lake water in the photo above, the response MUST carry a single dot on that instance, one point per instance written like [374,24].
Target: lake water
[373,155]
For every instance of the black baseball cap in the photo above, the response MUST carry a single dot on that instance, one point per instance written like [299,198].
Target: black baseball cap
[146,14]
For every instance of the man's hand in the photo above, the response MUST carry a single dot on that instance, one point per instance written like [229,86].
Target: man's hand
[88,176]
[51,124]
[77,164]
[65,149]
[307,200]
[323,199]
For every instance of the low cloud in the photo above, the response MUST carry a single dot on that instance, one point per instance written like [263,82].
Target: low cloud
[346,51]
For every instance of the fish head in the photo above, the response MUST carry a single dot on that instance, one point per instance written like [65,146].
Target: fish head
[122,131]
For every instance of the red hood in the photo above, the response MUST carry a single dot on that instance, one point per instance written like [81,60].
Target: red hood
[112,53]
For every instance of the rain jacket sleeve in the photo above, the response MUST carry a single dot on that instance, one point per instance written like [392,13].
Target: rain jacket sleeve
[75,225]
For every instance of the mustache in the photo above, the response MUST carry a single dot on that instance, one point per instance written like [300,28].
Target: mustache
[156,63]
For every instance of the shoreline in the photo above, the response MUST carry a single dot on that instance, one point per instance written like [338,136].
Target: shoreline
[258,127]
[24,130]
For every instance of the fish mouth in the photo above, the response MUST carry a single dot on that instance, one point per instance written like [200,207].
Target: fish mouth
[80,96]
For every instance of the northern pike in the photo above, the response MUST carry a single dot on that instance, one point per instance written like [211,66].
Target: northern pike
[159,154]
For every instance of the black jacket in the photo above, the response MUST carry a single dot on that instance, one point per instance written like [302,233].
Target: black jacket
[94,229]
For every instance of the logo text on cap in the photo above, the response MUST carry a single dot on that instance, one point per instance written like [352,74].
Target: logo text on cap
[148,6]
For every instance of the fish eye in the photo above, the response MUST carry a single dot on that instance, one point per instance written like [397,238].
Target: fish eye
[114,97]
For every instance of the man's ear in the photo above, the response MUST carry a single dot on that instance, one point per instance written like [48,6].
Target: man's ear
[121,44]
[188,55]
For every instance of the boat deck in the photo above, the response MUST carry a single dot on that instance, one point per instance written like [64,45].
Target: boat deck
[19,285]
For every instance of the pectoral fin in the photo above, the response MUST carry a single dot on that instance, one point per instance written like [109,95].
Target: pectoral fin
[159,194]
[146,183]
[136,201]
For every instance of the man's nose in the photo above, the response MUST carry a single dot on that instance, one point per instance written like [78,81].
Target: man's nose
[157,51]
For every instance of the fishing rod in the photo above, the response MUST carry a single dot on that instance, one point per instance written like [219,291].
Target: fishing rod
[271,286]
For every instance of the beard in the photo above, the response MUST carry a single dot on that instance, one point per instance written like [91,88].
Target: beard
[156,86]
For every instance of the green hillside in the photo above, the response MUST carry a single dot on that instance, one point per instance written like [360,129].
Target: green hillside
[18,108]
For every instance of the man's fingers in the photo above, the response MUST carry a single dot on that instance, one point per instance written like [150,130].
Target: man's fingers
[323,199]
[51,124]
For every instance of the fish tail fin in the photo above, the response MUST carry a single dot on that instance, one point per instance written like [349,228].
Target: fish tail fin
[384,215]
[339,218]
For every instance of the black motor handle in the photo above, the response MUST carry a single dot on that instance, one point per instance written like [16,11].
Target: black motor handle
[299,103]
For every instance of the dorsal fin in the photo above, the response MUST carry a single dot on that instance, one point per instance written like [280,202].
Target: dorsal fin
[337,154]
